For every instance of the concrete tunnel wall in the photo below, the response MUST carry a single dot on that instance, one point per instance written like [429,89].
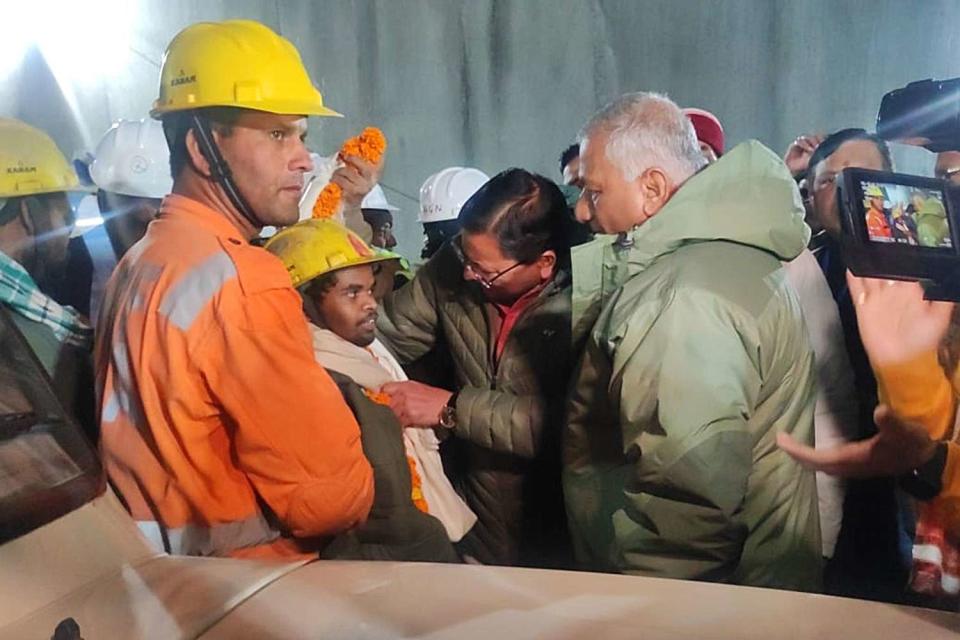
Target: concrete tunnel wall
[499,83]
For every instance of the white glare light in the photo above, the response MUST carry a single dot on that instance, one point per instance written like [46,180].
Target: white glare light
[80,40]
[89,223]
[87,214]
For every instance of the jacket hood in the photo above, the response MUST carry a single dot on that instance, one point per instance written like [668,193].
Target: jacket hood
[748,196]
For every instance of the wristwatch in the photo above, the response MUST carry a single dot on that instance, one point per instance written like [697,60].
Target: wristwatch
[448,415]
[926,481]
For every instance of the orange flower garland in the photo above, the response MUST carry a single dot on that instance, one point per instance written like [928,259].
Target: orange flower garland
[417,491]
[377,396]
[416,482]
[327,202]
[370,145]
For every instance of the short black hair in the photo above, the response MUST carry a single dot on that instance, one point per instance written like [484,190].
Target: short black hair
[524,211]
[377,216]
[437,234]
[11,208]
[176,125]
[321,286]
[569,154]
[835,140]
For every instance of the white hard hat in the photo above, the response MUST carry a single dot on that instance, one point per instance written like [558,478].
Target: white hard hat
[376,199]
[315,181]
[444,193]
[132,159]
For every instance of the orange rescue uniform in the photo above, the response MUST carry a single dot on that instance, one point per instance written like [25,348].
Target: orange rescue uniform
[877,226]
[920,391]
[220,431]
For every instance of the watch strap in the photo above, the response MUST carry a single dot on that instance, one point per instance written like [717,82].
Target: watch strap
[926,481]
[452,402]
[448,415]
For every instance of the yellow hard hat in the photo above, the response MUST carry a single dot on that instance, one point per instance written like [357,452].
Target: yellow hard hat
[236,63]
[31,163]
[871,190]
[313,248]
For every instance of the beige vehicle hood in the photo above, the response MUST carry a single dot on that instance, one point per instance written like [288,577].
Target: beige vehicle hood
[359,600]
[94,566]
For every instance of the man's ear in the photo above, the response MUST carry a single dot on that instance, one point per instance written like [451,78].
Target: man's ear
[546,263]
[26,217]
[656,188]
[197,159]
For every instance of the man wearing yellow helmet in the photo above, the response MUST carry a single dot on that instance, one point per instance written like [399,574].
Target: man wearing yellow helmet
[35,224]
[219,428]
[876,216]
[34,185]
[336,274]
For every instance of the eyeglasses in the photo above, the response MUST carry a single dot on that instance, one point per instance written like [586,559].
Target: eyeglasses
[486,281]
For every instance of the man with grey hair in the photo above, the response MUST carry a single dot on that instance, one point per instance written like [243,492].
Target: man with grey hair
[696,357]
[635,134]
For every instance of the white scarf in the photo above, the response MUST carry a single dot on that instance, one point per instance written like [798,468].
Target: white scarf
[371,368]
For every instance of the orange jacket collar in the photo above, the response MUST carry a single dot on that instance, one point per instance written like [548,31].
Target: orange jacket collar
[177,207]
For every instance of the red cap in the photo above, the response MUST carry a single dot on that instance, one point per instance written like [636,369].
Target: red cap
[708,128]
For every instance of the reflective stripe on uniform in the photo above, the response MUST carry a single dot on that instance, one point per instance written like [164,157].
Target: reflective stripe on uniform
[950,584]
[184,302]
[928,553]
[122,396]
[214,540]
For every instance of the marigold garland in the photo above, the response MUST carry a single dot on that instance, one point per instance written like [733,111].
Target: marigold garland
[416,482]
[328,201]
[377,396]
[370,145]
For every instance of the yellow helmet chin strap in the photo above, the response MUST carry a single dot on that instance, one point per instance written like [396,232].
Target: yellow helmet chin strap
[219,169]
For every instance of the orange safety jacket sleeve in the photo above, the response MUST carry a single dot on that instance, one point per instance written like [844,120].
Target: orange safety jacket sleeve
[295,436]
[919,391]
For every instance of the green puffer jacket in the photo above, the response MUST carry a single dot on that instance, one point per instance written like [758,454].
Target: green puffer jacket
[697,359]
[506,441]
[395,529]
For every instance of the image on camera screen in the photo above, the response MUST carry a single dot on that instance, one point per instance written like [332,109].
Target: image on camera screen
[902,214]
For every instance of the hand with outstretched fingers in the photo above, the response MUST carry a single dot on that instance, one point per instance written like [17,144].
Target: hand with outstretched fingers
[898,448]
[896,324]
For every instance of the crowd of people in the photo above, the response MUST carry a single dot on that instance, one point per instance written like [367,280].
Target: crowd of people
[659,366]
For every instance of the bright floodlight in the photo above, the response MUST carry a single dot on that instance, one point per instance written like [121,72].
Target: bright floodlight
[81,41]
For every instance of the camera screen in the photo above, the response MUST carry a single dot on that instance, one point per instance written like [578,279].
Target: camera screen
[903,214]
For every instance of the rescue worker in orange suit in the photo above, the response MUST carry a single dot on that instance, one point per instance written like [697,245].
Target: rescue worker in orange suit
[220,430]
[877,225]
